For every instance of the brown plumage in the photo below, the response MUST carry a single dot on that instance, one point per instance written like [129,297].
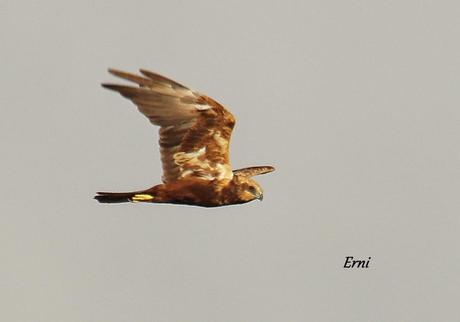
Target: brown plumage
[195,133]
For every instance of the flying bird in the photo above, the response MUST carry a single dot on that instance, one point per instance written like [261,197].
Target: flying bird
[195,133]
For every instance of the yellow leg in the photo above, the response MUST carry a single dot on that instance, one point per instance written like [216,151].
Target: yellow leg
[142,197]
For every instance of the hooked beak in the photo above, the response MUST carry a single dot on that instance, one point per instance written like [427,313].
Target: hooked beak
[260,197]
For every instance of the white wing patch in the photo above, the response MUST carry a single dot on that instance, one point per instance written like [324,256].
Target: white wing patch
[195,164]
[183,157]
[225,171]
[219,139]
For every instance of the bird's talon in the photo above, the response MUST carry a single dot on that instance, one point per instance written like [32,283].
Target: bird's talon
[141,197]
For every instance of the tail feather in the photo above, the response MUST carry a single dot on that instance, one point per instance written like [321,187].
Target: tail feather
[114,197]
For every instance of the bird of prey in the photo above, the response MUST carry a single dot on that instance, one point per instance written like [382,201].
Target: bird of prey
[194,142]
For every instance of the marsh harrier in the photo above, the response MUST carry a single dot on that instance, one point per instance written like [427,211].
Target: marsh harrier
[194,142]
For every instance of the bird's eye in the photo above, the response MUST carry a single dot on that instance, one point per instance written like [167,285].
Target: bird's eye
[252,190]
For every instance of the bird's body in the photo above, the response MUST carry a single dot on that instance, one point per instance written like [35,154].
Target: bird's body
[195,133]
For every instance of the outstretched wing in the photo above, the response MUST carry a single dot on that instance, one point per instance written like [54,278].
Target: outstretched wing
[254,171]
[195,130]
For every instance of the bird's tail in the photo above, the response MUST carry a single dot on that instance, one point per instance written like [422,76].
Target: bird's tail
[119,197]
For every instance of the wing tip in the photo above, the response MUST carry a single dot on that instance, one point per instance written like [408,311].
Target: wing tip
[156,76]
[116,72]
[270,168]
[254,171]
[146,72]
[110,86]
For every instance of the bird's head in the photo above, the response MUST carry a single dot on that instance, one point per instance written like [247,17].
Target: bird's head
[248,189]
